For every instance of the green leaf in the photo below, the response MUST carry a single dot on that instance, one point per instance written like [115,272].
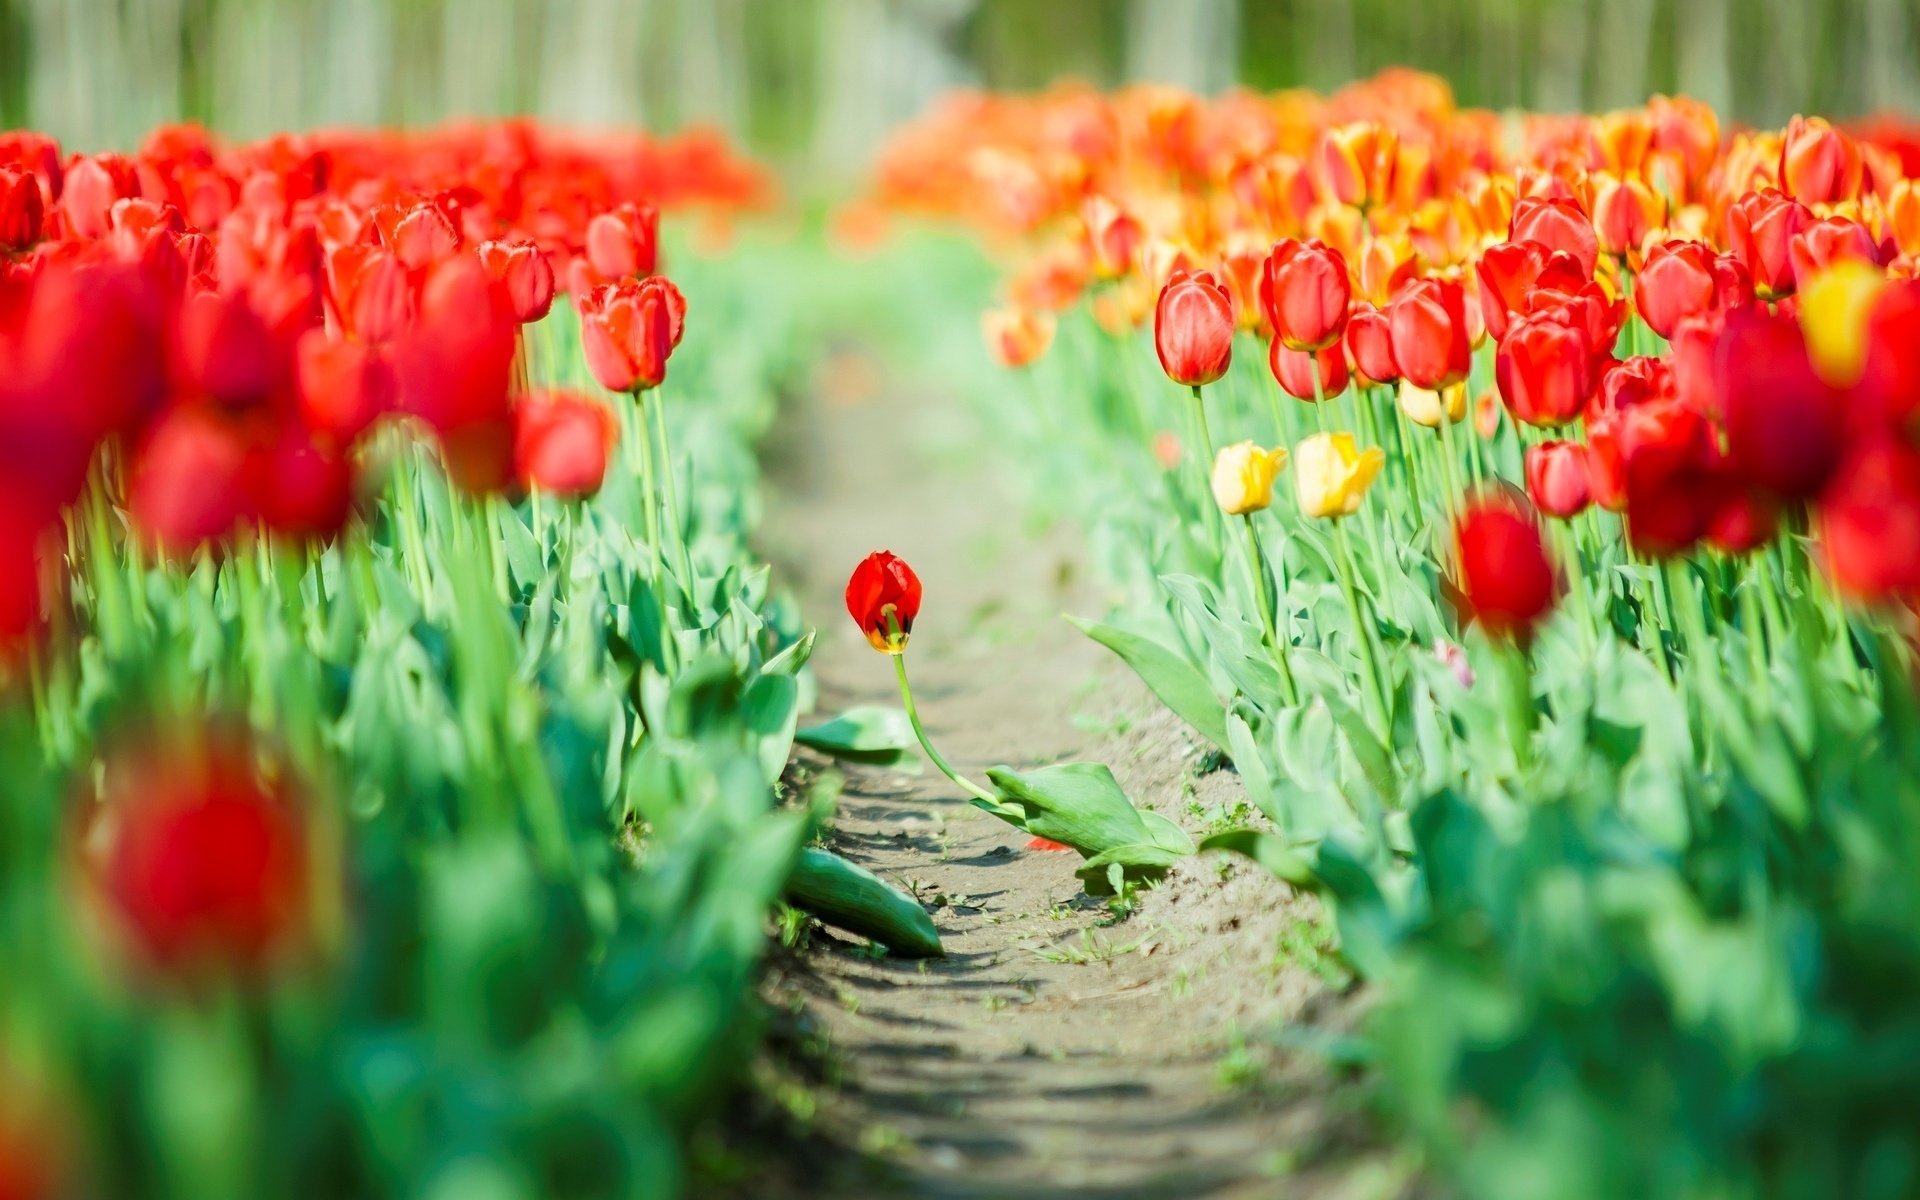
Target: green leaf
[850,897]
[1180,685]
[1269,850]
[1081,805]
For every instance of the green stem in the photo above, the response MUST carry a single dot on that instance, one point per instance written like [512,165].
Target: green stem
[1521,715]
[919,731]
[1255,560]
[671,490]
[1363,635]
[1206,434]
[1570,560]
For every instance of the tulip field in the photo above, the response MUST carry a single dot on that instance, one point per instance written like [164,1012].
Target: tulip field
[419,783]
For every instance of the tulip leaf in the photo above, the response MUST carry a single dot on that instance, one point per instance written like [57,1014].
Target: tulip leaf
[871,735]
[1180,686]
[850,897]
[1081,805]
[1269,850]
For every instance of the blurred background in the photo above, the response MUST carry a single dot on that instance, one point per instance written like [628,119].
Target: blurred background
[813,84]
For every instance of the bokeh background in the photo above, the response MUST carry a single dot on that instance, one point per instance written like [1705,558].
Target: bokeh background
[813,84]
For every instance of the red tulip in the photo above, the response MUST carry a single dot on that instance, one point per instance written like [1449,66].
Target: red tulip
[629,329]
[562,442]
[203,865]
[623,243]
[521,269]
[1506,579]
[227,352]
[1870,523]
[344,387]
[1818,163]
[21,210]
[1304,292]
[419,234]
[1625,213]
[303,492]
[1888,396]
[1760,230]
[1827,241]
[883,597]
[1370,344]
[23,564]
[191,484]
[1545,370]
[1295,370]
[1046,844]
[1785,427]
[91,185]
[455,367]
[1559,479]
[1429,326]
[371,292]
[1629,383]
[1557,225]
[1683,279]
[1193,328]
[1507,273]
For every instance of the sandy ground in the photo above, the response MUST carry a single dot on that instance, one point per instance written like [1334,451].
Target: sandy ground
[1058,1050]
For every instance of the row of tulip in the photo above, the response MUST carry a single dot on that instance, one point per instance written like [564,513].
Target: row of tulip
[391,716]
[1577,673]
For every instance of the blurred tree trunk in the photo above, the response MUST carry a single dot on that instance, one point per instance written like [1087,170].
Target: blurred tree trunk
[1194,44]
[880,62]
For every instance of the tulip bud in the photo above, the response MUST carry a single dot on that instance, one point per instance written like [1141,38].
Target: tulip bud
[22,210]
[883,597]
[1369,341]
[521,270]
[1305,292]
[1558,225]
[1193,329]
[1429,408]
[1429,327]
[1332,474]
[623,243]
[1507,581]
[1545,370]
[1625,212]
[1017,337]
[1243,476]
[1818,163]
[1760,230]
[561,443]
[1300,372]
[1558,478]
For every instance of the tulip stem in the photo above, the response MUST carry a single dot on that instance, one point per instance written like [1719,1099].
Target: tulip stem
[988,800]
[1521,715]
[1256,565]
[1449,461]
[1362,632]
[671,492]
[1570,561]
[1206,434]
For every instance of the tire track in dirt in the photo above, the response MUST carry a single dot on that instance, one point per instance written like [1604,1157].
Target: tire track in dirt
[1054,1052]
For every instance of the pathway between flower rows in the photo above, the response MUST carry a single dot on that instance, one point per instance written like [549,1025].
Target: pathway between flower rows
[1052,1053]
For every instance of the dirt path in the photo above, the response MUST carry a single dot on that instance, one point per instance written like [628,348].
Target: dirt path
[1056,1051]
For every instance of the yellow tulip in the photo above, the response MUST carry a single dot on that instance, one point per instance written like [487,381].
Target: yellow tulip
[1427,408]
[1243,477]
[1332,473]
[1833,317]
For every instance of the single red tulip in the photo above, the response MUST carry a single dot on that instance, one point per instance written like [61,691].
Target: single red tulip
[629,329]
[1429,326]
[204,867]
[1193,328]
[562,442]
[456,373]
[1760,230]
[1888,395]
[1507,272]
[1785,426]
[1818,163]
[1827,241]
[1558,478]
[1684,279]
[1507,581]
[1870,523]
[370,291]
[22,210]
[91,185]
[1629,383]
[1558,225]
[624,243]
[883,597]
[1295,370]
[302,491]
[192,482]
[1370,344]
[343,386]
[1625,213]
[521,269]
[1305,292]
[1545,370]
[419,234]
[227,352]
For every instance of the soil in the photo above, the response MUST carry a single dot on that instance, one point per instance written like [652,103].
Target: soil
[1060,1049]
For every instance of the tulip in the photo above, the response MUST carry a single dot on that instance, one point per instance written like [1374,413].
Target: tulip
[22,210]
[204,867]
[343,386]
[1835,306]
[1559,479]
[883,597]
[1332,474]
[1625,212]
[1193,329]
[1507,582]
[1356,164]
[1869,523]
[561,443]
[1309,375]
[1784,426]
[1818,163]
[1760,231]
[302,491]
[1429,408]
[1429,329]
[1545,370]
[370,292]
[1369,341]
[1113,237]
[456,369]
[1506,273]
[1683,279]
[1888,395]
[623,244]
[1243,476]
[1825,242]
[419,235]
[1558,225]
[629,329]
[1305,292]
[191,481]
[226,351]
[521,270]
[1017,337]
